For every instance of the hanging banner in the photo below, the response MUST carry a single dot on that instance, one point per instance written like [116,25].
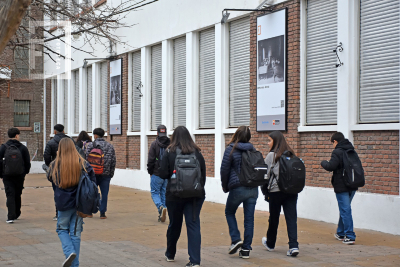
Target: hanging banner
[115,96]
[271,71]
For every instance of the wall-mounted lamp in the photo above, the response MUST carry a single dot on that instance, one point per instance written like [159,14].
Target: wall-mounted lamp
[139,88]
[340,49]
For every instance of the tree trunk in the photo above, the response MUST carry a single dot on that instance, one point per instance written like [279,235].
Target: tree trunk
[11,14]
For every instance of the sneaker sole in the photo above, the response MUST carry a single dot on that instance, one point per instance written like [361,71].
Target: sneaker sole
[9,222]
[294,254]
[69,260]
[349,243]
[163,215]
[236,247]
[245,257]
[265,245]
[169,260]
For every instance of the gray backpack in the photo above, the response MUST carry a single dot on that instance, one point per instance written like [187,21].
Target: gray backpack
[188,181]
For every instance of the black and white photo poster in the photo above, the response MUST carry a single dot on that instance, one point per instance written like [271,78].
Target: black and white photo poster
[271,71]
[115,97]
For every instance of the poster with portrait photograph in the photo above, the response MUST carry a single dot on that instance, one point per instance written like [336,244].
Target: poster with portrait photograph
[271,71]
[115,97]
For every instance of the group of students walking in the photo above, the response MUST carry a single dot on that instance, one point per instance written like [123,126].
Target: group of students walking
[178,176]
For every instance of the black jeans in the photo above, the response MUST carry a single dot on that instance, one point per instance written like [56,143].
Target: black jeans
[191,210]
[289,203]
[13,187]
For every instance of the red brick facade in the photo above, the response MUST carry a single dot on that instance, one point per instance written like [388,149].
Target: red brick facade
[207,144]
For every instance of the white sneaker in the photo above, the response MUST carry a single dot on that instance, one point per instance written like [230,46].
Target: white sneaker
[264,242]
[293,252]
[10,221]
[234,247]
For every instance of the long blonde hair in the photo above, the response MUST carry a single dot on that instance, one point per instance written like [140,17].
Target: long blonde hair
[68,165]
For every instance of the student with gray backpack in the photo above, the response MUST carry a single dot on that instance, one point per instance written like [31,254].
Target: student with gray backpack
[236,172]
[14,165]
[185,168]
[286,178]
[347,176]
[69,172]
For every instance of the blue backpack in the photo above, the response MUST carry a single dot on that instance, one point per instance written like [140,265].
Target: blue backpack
[87,197]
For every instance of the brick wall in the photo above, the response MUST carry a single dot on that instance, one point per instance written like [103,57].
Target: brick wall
[206,142]
[134,152]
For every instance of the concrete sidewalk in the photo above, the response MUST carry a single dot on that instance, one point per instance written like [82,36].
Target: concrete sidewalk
[131,236]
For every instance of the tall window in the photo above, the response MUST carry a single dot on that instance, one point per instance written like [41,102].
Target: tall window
[104,96]
[136,99]
[207,79]
[89,88]
[156,86]
[321,89]
[239,76]
[76,104]
[179,98]
[21,53]
[379,61]
[21,113]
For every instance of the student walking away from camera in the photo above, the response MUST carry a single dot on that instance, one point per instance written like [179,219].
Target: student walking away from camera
[83,141]
[238,194]
[158,185]
[277,198]
[341,155]
[184,167]
[14,165]
[50,152]
[101,156]
[65,172]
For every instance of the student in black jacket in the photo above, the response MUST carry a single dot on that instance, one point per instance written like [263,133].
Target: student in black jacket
[14,184]
[344,195]
[179,207]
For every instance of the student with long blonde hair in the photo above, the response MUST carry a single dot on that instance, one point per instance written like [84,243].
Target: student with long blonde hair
[65,172]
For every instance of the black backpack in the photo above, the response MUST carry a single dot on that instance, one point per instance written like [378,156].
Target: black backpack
[13,163]
[292,174]
[188,181]
[353,172]
[253,169]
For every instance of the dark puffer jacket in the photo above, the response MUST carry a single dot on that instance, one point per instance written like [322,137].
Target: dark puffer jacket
[153,162]
[50,152]
[335,165]
[24,153]
[109,155]
[230,163]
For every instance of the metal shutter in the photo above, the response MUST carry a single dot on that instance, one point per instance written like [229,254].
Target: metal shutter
[136,99]
[379,61]
[321,88]
[54,89]
[76,79]
[156,86]
[207,79]
[104,96]
[179,82]
[89,99]
[66,108]
[239,72]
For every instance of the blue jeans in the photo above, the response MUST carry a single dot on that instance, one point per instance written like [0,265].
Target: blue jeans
[158,188]
[345,225]
[191,209]
[248,196]
[103,181]
[70,242]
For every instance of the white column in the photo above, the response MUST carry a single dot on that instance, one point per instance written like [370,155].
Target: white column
[347,78]
[60,100]
[82,100]
[71,100]
[145,105]
[192,81]
[167,84]
[130,92]
[96,92]
[221,90]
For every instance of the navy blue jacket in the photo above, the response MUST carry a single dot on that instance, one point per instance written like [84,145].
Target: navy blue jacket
[66,198]
[229,178]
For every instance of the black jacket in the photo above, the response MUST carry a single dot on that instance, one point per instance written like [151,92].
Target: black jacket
[50,152]
[25,156]
[153,162]
[335,165]
[167,167]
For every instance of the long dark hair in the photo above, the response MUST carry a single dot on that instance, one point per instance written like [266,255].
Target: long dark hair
[242,135]
[83,136]
[279,145]
[181,138]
